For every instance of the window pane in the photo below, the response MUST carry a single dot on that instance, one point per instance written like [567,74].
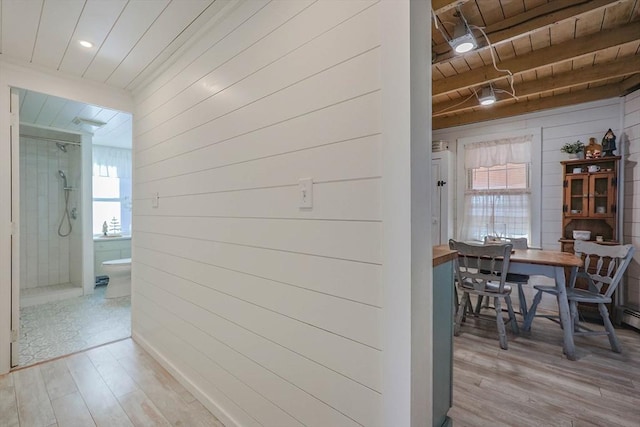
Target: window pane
[498,203]
[106,187]
[105,211]
[500,177]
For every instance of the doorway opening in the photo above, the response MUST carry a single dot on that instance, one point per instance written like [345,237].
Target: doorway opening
[57,307]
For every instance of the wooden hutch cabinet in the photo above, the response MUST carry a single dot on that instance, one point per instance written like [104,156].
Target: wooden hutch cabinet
[590,200]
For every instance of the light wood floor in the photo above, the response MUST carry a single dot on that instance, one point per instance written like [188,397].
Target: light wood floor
[118,384]
[532,384]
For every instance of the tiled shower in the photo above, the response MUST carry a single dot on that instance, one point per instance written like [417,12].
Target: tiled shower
[50,262]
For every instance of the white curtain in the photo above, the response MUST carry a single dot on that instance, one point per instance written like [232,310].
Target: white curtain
[500,212]
[111,162]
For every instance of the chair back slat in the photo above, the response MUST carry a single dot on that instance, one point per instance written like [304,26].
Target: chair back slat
[618,257]
[477,265]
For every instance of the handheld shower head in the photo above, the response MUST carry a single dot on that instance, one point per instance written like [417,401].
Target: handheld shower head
[64,177]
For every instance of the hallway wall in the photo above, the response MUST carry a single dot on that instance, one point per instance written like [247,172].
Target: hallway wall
[271,311]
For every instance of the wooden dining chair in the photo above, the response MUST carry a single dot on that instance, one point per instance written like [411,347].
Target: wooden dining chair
[518,279]
[603,269]
[481,270]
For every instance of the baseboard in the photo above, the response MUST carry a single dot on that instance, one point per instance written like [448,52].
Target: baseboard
[631,317]
[202,397]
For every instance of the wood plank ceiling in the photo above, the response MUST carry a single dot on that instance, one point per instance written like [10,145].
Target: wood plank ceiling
[47,111]
[131,38]
[560,52]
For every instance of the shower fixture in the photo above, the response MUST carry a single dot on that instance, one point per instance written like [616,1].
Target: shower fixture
[65,215]
[64,178]
[62,147]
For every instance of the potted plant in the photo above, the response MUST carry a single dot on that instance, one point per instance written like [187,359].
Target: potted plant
[572,148]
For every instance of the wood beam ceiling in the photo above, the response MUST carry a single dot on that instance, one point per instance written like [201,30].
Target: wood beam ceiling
[539,58]
[599,59]
[440,6]
[492,113]
[623,67]
[536,19]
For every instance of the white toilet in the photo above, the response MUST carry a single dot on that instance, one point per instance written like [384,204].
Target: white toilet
[119,272]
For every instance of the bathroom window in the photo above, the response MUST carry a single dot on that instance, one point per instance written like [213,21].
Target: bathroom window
[111,188]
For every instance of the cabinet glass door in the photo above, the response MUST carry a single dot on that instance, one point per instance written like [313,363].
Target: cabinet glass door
[577,196]
[602,195]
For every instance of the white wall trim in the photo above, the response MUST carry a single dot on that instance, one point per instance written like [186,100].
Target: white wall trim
[421,246]
[407,270]
[183,379]
[28,76]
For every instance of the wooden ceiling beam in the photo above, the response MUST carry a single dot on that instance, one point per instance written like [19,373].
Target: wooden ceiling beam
[499,112]
[526,23]
[586,75]
[629,85]
[541,58]
[440,6]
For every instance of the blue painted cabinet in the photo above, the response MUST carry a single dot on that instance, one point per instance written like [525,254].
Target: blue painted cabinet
[442,342]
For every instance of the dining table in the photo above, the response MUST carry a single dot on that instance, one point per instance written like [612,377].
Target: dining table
[551,264]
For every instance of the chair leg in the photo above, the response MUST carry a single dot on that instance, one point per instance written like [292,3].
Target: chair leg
[470,306]
[575,316]
[613,338]
[456,300]
[522,300]
[502,332]
[479,304]
[512,315]
[461,310]
[532,312]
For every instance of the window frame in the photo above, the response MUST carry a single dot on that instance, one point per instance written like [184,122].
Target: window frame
[535,177]
[123,199]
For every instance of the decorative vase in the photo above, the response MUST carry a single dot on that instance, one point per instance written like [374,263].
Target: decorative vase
[573,156]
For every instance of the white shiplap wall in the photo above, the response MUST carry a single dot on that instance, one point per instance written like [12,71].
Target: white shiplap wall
[271,312]
[558,126]
[631,140]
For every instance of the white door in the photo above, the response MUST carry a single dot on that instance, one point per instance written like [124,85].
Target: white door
[15,227]
[442,199]
[436,202]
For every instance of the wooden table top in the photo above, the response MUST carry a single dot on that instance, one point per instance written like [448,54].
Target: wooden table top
[442,254]
[533,256]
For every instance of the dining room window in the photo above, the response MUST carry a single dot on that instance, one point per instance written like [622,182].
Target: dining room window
[498,190]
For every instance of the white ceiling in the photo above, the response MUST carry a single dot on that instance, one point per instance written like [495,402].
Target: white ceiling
[52,112]
[131,39]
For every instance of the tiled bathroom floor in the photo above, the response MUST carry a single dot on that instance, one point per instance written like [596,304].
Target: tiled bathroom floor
[63,327]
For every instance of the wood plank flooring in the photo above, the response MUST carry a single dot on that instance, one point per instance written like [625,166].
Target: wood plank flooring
[533,384]
[118,384]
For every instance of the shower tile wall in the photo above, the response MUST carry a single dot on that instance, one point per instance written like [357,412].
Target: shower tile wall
[44,256]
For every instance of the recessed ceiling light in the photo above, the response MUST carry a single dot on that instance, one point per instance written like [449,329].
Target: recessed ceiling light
[85,43]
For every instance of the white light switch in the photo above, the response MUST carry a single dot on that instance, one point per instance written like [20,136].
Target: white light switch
[155,200]
[305,192]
